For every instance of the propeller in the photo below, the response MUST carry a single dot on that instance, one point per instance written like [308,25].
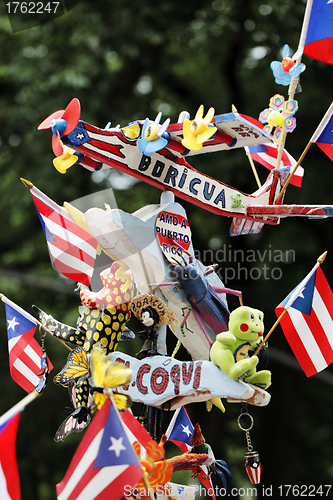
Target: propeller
[198,131]
[154,136]
[68,158]
[62,122]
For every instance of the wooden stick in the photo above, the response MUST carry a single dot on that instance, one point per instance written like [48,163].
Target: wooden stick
[320,260]
[270,332]
[147,485]
[291,175]
[19,406]
[254,170]
[291,94]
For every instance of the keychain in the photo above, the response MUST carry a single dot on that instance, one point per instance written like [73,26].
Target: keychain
[44,365]
[252,460]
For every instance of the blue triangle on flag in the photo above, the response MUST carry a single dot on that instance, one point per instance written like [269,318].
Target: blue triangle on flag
[17,324]
[48,235]
[182,429]
[115,448]
[326,136]
[303,303]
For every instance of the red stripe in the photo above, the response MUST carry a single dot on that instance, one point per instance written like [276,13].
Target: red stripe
[319,335]
[114,489]
[103,158]
[72,273]
[321,50]
[60,217]
[24,340]
[28,362]
[106,146]
[285,210]
[130,477]
[325,291]
[8,457]
[327,148]
[295,343]
[72,250]
[17,351]
[107,133]
[136,428]
[21,380]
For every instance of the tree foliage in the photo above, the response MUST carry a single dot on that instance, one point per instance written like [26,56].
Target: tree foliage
[126,61]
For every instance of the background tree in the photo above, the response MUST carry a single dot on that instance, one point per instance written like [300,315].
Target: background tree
[126,61]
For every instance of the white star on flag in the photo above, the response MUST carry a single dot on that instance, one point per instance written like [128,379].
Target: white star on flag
[117,445]
[12,323]
[186,430]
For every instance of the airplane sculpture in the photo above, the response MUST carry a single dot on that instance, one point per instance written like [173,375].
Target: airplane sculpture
[156,154]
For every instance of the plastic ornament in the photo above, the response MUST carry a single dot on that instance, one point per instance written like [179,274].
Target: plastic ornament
[279,116]
[287,69]
[62,122]
[154,136]
[198,131]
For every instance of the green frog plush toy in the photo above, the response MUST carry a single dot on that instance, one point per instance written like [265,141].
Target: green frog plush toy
[230,349]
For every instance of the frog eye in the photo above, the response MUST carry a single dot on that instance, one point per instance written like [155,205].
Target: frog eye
[185,275]
[259,317]
[251,317]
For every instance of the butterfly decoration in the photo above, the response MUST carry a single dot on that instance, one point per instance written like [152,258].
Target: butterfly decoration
[154,136]
[284,71]
[106,375]
[73,423]
[77,366]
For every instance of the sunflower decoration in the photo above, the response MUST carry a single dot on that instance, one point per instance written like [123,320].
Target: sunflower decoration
[158,469]
[106,375]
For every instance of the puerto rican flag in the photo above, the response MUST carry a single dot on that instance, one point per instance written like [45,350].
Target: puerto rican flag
[308,322]
[104,463]
[25,354]
[317,31]
[266,155]
[180,431]
[72,249]
[323,136]
[9,475]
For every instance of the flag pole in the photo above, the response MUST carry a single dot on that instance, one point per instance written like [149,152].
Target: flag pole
[146,483]
[320,260]
[254,170]
[324,122]
[24,313]
[19,406]
[293,84]
[292,173]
